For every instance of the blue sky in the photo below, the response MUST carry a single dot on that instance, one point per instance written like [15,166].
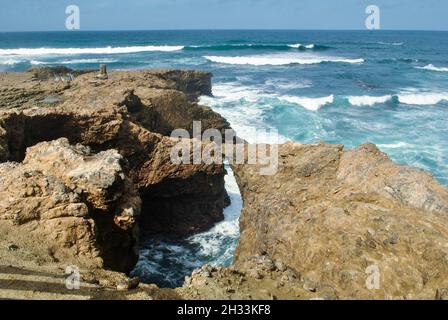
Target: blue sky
[38,15]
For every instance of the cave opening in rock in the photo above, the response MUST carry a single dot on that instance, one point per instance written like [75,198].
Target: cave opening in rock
[138,132]
[168,208]
[166,261]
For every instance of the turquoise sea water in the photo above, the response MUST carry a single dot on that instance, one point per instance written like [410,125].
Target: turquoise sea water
[348,87]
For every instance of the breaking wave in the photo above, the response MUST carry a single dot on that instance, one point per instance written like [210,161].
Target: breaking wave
[432,67]
[409,98]
[311,104]
[280,59]
[302,46]
[390,43]
[422,98]
[10,62]
[252,46]
[368,100]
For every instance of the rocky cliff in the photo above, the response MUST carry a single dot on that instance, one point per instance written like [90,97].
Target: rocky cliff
[85,163]
[126,118]
[349,224]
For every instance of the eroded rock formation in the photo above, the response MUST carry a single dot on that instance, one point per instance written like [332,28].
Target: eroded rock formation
[331,224]
[343,220]
[81,205]
[131,112]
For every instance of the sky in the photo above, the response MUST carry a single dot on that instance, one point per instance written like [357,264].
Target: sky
[49,15]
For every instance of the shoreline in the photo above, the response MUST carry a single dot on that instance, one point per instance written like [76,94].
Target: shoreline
[320,193]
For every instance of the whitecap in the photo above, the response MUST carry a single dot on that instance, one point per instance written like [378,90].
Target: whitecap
[312,104]
[288,85]
[368,100]
[397,145]
[37,62]
[280,59]
[234,91]
[409,97]
[432,67]
[301,46]
[232,100]
[10,62]
[422,98]
[391,43]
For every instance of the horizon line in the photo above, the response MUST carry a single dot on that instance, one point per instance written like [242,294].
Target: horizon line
[222,29]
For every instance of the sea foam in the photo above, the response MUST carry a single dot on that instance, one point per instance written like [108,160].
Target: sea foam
[422,98]
[368,100]
[391,43]
[311,104]
[168,262]
[405,97]
[280,59]
[302,46]
[233,99]
[10,62]
[432,67]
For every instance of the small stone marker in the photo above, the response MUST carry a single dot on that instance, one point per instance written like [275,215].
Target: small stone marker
[103,72]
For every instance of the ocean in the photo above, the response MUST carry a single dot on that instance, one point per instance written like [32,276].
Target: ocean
[348,87]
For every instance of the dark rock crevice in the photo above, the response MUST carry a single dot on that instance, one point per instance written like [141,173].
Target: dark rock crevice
[178,208]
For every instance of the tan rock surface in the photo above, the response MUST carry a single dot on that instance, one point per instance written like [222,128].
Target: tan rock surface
[75,204]
[126,112]
[335,217]
[326,226]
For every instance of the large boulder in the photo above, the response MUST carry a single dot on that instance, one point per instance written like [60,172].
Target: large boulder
[77,205]
[352,221]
